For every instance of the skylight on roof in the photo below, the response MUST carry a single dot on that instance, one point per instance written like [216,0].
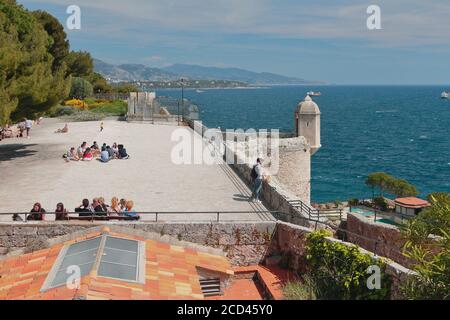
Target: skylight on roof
[112,257]
[119,259]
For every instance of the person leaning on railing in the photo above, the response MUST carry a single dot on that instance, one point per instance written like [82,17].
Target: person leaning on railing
[60,212]
[37,213]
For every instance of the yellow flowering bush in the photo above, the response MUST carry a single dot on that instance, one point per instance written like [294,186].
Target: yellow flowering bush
[76,103]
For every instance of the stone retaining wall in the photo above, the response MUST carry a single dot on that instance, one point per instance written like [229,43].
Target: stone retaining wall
[243,243]
[381,238]
[289,242]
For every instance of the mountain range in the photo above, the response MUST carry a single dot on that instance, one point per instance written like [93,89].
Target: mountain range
[139,72]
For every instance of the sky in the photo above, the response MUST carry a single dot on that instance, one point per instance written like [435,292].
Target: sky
[325,40]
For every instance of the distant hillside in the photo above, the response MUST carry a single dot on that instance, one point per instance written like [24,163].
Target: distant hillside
[132,72]
[139,72]
[232,74]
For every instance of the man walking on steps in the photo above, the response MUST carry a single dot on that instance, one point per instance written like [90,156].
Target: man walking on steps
[257,177]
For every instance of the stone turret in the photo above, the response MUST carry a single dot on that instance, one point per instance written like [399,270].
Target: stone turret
[308,123]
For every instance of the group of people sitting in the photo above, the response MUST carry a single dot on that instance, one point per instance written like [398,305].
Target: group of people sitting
[103,154]
[98,207]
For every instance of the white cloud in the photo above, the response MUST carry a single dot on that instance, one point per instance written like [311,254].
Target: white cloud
[406,23]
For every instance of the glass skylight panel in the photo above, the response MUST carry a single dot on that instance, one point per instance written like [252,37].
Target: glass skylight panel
[82,254]
[119,259]
[112,257]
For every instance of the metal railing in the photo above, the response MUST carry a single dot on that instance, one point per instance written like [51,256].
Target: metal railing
[316,213]
[217,216]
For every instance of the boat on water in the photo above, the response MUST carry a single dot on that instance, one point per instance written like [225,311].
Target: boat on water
[314,94]
[200,91]
[445,95]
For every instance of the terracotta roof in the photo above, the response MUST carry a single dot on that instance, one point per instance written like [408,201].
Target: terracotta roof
[171,273]
[412,202]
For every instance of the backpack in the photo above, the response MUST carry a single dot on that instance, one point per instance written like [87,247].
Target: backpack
[254,174]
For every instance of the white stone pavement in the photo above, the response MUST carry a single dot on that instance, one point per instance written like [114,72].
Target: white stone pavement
[32,170]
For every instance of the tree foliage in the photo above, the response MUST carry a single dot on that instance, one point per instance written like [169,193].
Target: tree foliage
[59,47]
[99,83]
[81,88]
[80,64]
[428,244]
[387,183]
[30,81]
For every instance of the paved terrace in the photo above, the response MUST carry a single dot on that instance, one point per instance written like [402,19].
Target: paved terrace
[32,170]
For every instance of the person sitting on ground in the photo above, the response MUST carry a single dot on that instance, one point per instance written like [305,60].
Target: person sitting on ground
[63,130]
[84,210]
[110,152]
[72,155]
[123,204]
[114,210]
[61,212]
[129,210]
[37,213]
[81,150]
[123,152]
[95,149]
[95,146]
[115,149]
[21,126]
[104,155]
[6,132]
[88,156]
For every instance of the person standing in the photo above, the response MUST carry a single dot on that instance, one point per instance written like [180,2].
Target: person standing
[258,177]
[101,127]
[28,125]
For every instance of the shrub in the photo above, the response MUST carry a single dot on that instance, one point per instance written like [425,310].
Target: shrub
[340,272]
[60,111]
[427,244]
[81,88]
[79,104]
[353,202]
[300,290]
[381,203]
[81,116]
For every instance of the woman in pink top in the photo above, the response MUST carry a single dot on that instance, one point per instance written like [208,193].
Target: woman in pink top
[88,156]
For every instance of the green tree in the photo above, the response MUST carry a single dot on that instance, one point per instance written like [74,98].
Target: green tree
[438,195]
[80,64]
[401,188]
[99,83]
[59,48]
[387,183]
[378,180]
[81,88]
[427,242]
[29,85]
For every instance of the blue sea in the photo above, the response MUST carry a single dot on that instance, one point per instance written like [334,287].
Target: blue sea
[402,130]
